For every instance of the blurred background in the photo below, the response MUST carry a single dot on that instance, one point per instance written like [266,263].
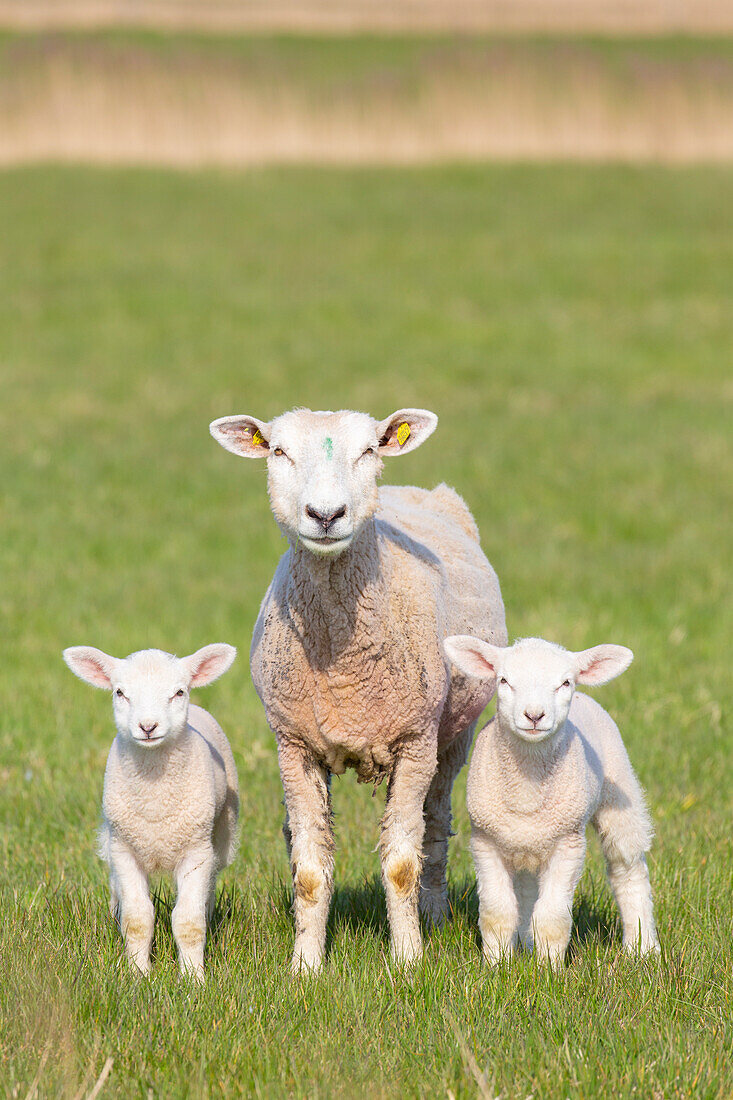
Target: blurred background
[225,82]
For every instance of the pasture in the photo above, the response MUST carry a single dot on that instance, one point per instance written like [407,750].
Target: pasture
[572,327]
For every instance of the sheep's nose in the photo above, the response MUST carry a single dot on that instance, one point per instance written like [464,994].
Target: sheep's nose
[534,718]
[147,730]
[325,519]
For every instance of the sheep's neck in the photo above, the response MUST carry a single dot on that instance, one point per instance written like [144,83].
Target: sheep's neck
[328,595]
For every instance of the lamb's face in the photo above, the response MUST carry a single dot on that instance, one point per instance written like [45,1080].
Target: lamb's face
[150,688]
[535,679]
[535,685]
[323,467]
[150,698]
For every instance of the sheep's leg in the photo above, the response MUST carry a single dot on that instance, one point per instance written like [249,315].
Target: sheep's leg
[195,883]
[498,913]
[309,840]
[433,881]
[400,846]
[130,898]
[552,920]
[525,887]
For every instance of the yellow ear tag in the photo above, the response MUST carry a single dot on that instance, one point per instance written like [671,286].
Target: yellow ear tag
[258,438]
[403,434]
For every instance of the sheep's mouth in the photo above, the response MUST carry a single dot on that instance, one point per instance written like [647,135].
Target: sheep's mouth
[150,740]
[326,544]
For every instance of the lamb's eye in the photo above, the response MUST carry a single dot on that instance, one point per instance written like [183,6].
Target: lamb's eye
[120,693]
[278,452]
[180,693]
[503,680]
[565,684]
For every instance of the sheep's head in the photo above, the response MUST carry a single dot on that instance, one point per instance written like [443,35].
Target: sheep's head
[535,679]
[150,688]
[323,467]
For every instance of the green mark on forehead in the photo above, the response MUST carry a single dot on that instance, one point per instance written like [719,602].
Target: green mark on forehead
[328,446]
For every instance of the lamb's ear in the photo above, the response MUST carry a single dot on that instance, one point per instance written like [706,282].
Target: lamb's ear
[472,656]
[601,663]
[242,435]
[404,430]
[92,665]
[208,664]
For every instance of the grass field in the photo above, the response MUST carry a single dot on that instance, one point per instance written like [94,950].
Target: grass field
[573,329]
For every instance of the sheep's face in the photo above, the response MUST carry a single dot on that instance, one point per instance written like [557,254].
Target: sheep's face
[536,679]
[150,689]
[323,467]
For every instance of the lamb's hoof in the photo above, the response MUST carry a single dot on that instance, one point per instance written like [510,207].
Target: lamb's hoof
[644,948]
[141,967]
[194,972]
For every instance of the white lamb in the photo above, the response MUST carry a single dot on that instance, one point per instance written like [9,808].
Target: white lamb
[171,800]
[347,656]
[546,766]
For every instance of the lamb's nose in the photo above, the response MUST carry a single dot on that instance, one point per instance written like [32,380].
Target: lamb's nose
[325,519]
[534,718]
[147,730]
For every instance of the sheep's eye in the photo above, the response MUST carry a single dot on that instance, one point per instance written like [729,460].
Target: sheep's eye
[180,693]
[369,451]
[503,680]
[278,451]
[120,693]
[565,684]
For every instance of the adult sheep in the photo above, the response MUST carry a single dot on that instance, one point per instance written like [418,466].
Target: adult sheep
[347,651]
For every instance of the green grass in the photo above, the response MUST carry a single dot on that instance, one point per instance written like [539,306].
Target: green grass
[573,329]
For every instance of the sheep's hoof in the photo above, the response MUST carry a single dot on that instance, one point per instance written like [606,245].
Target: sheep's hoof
[407,952]
[306,961]
[433,908]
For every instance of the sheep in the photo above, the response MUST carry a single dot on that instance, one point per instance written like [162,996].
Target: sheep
[346,653]
[549,763]
[171,800]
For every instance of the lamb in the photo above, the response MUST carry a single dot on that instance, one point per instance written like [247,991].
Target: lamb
[546,765]
[171,800]
[346,654]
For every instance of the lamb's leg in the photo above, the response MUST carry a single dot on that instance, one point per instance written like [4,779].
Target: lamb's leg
[309,839]
[624,831]
[433,881]
[131,898]
[552,920]
[195,882]
[498,913]
[403,828]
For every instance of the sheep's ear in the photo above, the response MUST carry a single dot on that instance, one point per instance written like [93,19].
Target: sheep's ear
[242,435]
[601,663]
[208,664]
[91,664]
[473,656]
[404,430]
